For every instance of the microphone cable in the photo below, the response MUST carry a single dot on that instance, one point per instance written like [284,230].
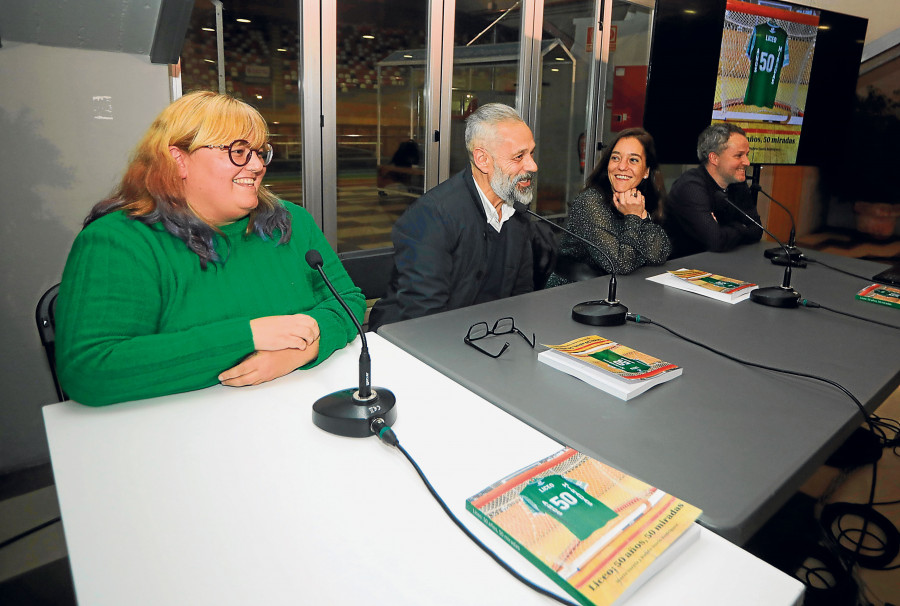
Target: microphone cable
[29,532]
[387,435]
[854,555]
[837,269]
[638,319]
[814,305]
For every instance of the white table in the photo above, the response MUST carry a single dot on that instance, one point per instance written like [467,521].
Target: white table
[233,496]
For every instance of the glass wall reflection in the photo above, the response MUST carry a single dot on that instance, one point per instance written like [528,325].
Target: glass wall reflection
[380,120]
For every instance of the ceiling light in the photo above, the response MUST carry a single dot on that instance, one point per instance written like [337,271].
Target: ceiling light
[243,20]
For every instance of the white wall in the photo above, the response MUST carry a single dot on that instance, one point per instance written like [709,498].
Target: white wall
[57,158]
[883,15]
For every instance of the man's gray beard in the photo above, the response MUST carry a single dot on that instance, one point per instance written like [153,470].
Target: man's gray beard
[505,186]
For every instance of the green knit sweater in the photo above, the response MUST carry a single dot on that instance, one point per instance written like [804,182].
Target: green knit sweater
[137,317]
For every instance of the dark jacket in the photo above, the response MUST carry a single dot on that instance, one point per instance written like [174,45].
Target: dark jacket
[694,199]
[440,254]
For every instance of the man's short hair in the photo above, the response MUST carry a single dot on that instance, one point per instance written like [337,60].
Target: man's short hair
[480,124]
[714,139]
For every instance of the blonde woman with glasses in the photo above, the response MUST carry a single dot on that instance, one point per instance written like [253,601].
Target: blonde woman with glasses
[192,273]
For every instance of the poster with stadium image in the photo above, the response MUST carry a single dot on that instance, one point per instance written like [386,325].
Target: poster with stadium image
[763,78]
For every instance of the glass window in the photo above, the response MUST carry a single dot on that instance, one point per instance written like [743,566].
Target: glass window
[380,71]
[261,59]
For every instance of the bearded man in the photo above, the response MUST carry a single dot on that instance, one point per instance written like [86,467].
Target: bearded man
[462,243]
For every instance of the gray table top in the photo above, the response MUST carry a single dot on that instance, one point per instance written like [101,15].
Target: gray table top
[734,440]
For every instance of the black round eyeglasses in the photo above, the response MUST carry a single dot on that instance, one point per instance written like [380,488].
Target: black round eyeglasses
[240,152]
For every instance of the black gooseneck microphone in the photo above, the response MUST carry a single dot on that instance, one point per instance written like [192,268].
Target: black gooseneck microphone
[607,312]
[350,412]
[773,296]
[796,257]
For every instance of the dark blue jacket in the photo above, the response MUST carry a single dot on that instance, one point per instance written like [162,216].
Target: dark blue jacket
[441,254]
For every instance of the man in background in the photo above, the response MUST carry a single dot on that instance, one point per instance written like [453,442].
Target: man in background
[698,215]
[462,243]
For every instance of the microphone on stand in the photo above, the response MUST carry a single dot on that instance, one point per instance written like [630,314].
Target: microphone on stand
[794,255]
[773,296]
[607,312]
[351,412]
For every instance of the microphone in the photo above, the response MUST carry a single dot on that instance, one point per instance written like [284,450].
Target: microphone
[607,312]
[351,412]
[773,296]
[794,255]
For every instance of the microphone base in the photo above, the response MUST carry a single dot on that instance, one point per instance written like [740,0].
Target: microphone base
[600,313]
[777,256]
[793,262]
[343,413]
[776,296]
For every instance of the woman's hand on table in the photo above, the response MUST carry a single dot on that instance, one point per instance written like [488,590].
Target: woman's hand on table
[273,333]
[262,366]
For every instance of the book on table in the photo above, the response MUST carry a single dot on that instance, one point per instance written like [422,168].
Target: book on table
[616,369]
[707,284]
[597,532]
[881,294]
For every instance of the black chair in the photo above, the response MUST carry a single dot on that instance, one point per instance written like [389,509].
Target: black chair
[369,270]
[45,316]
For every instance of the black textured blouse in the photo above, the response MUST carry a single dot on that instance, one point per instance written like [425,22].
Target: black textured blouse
[630,242]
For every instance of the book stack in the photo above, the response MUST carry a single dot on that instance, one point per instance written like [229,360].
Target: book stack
[596,531]
[881,294]
[616,369]
[707,284]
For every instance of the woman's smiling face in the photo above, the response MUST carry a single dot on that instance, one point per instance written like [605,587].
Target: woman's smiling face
[627,165]
[217,190]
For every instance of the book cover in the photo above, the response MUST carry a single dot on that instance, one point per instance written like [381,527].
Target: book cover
[616,369]
[704,283]
[596,531]
[881,294]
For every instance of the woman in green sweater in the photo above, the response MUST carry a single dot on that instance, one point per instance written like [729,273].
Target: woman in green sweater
[191,273]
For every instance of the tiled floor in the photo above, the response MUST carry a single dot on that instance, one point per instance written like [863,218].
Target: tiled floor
[34,571]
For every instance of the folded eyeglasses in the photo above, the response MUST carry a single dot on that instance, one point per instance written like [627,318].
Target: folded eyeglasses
[503,326]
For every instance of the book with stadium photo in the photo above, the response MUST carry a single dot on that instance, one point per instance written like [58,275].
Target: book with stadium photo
[881,294]
[616,369]
[595,531]
[707,284]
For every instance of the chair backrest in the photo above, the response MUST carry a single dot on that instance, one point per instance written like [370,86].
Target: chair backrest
[45,316]
[371,271]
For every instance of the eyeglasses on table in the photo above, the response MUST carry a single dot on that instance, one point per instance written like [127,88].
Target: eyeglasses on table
[503,326]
